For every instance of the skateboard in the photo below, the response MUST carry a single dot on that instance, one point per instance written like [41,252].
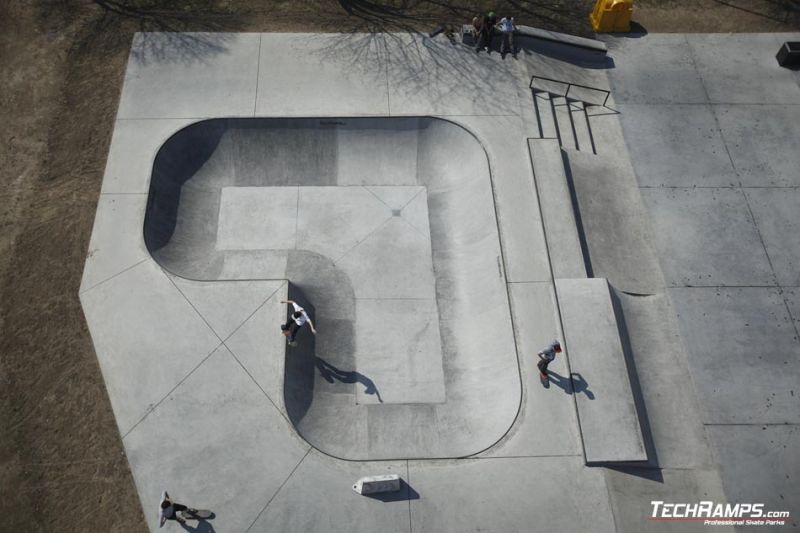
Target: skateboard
[545,380]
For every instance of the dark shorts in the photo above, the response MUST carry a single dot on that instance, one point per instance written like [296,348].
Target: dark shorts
[292,328]
[176,507]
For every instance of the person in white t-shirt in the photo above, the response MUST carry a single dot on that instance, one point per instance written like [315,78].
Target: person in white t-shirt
[298,319]
[546,356]
[506,27]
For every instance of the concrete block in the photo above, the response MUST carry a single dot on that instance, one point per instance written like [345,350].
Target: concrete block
[561,38]
[609,422]
[616,226]
[561,230]
[376,484]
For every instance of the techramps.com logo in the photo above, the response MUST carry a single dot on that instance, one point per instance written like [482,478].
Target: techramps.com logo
[718,514]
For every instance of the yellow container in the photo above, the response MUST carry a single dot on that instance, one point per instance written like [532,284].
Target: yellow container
[612,16]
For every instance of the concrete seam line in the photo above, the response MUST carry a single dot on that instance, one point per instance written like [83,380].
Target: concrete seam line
[168,394]
[84,291]
[257,309]
[258,72]
[222,342]
[408,482]
[279,489]
[259,386]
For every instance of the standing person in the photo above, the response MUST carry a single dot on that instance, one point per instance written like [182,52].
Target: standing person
[168,510]
[506,27]
[546,357]
[477,32]
[489,23]
[299,318]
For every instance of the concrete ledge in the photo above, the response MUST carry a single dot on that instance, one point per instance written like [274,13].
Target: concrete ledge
[607,414]
[536,33]
[561,230]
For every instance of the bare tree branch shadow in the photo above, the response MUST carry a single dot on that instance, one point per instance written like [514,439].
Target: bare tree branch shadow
[421,69]
[169,30]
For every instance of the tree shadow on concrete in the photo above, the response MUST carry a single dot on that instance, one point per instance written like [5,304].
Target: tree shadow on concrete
[178,32]
[408,15]
[420,70]
[330,374]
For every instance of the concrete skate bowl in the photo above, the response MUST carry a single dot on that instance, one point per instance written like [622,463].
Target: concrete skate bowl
[387,233]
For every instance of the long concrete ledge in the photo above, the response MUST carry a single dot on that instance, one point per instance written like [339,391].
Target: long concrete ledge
[561,230]
[545,35]
[220,195]
[606,409]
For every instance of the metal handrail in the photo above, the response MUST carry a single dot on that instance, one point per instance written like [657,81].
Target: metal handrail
[570,85]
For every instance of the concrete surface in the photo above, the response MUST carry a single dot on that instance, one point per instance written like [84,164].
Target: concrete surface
[193,335]
[561,230]
[707,237]
[682,100]
[606,410]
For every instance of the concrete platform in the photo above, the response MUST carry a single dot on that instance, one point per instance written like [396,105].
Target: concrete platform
[418,238]
[609,422]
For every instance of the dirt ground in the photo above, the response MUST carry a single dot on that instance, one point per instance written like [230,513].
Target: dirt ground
[62,464]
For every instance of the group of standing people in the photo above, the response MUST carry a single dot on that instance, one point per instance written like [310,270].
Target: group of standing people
[484,28]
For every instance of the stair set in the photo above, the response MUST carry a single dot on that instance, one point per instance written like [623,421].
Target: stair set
[564,117]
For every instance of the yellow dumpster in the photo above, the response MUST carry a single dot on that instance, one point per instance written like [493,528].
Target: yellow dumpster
[612,16]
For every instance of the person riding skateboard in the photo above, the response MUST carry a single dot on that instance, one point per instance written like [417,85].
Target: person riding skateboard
[546,356]
[169,510]
[298,319]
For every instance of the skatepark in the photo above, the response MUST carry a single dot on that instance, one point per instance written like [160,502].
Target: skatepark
[443,215]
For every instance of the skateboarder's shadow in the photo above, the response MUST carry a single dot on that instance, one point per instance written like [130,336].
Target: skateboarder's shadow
[203,526]
[330,372]
[576,385]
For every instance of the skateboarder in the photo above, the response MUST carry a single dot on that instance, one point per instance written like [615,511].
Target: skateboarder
[299,318]
[169,510]
[546,357]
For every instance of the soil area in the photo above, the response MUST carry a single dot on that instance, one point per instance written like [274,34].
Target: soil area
[62,464]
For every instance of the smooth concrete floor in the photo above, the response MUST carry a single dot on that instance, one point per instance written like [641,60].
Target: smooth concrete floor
[711,124]
[173,349]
